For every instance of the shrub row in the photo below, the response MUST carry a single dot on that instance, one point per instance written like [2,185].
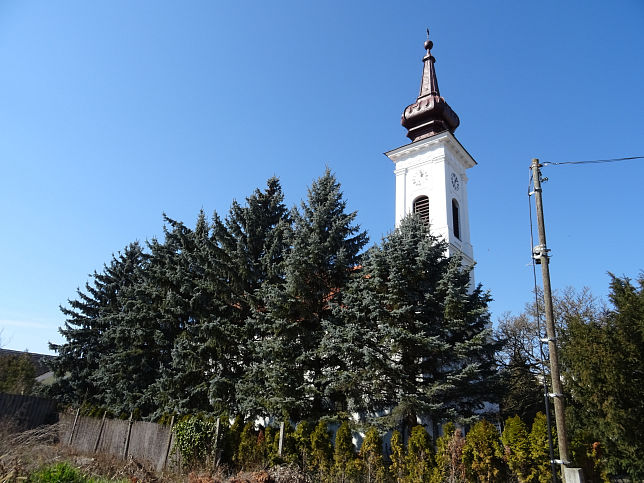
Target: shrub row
[482,455]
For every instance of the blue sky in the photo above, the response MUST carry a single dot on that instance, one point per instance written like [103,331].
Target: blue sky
[112,113]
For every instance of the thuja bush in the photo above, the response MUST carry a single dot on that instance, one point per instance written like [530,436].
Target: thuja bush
[302,440]
[483,455]
[321,449]
[420,456]
[398,468]
[541,470]
[516,445]
[373,465]
[346,467]
[249,452]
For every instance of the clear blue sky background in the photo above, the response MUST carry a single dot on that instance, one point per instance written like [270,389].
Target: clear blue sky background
[114,112]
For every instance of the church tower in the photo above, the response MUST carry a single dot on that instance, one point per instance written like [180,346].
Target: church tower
[431,177]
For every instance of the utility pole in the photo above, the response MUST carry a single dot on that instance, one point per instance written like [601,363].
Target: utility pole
[540,254]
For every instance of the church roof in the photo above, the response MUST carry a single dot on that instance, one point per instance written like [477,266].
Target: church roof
[430,114]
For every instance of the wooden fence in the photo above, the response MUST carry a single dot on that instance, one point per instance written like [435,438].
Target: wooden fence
[146,442]
[27,412]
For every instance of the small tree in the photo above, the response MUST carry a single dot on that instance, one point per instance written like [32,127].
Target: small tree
[398,467]
[302,437]
[517,448]
[321,450]
[345,465]
[442,458]
[420,458]
[482,454]
[371,455]
[248,453]
[540,450]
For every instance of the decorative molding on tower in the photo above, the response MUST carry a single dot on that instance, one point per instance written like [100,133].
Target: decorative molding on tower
[430,114]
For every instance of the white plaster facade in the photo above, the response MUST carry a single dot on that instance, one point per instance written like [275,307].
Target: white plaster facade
[436,167]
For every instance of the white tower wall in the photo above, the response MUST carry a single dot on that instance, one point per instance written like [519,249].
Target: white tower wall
[436,167]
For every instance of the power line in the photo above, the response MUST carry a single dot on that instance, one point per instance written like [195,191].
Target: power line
[593,161]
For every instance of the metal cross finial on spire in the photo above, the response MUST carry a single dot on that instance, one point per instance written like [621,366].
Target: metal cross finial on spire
[427,33]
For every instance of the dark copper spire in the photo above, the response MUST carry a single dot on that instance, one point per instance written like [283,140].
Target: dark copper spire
[430,114]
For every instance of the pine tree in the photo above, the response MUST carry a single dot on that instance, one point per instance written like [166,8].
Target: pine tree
[155,312]
[603,366]
[88,319]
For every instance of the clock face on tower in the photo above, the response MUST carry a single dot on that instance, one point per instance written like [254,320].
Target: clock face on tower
[455,182]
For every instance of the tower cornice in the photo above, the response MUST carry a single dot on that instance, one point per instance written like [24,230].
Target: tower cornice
[424,145]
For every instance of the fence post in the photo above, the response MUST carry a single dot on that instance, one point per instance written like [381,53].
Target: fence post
[281,444]
[100,432]
[167,446]
[71,434]
[127,438]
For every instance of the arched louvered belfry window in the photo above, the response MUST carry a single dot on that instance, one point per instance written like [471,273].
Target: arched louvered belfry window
[421,208]
[456,221]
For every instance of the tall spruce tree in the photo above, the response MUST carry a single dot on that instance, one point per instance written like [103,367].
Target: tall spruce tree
[412,335]
[155,311]
[88,318]
[214,359]
[326,244]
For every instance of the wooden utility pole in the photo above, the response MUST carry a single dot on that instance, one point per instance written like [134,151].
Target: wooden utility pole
[541,255]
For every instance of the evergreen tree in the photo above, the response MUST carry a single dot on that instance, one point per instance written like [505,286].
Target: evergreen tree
[603,367]
[371,455]
[517,448]
[482,454]
[204,362]
[325,248]
[398,467]
[155,311]
[420,457]
[414,336]
[88,319]
[541,469]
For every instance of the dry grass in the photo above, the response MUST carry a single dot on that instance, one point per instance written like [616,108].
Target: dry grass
[23,453]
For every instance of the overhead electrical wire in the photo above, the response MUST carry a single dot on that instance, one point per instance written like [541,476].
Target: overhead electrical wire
[593,161]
